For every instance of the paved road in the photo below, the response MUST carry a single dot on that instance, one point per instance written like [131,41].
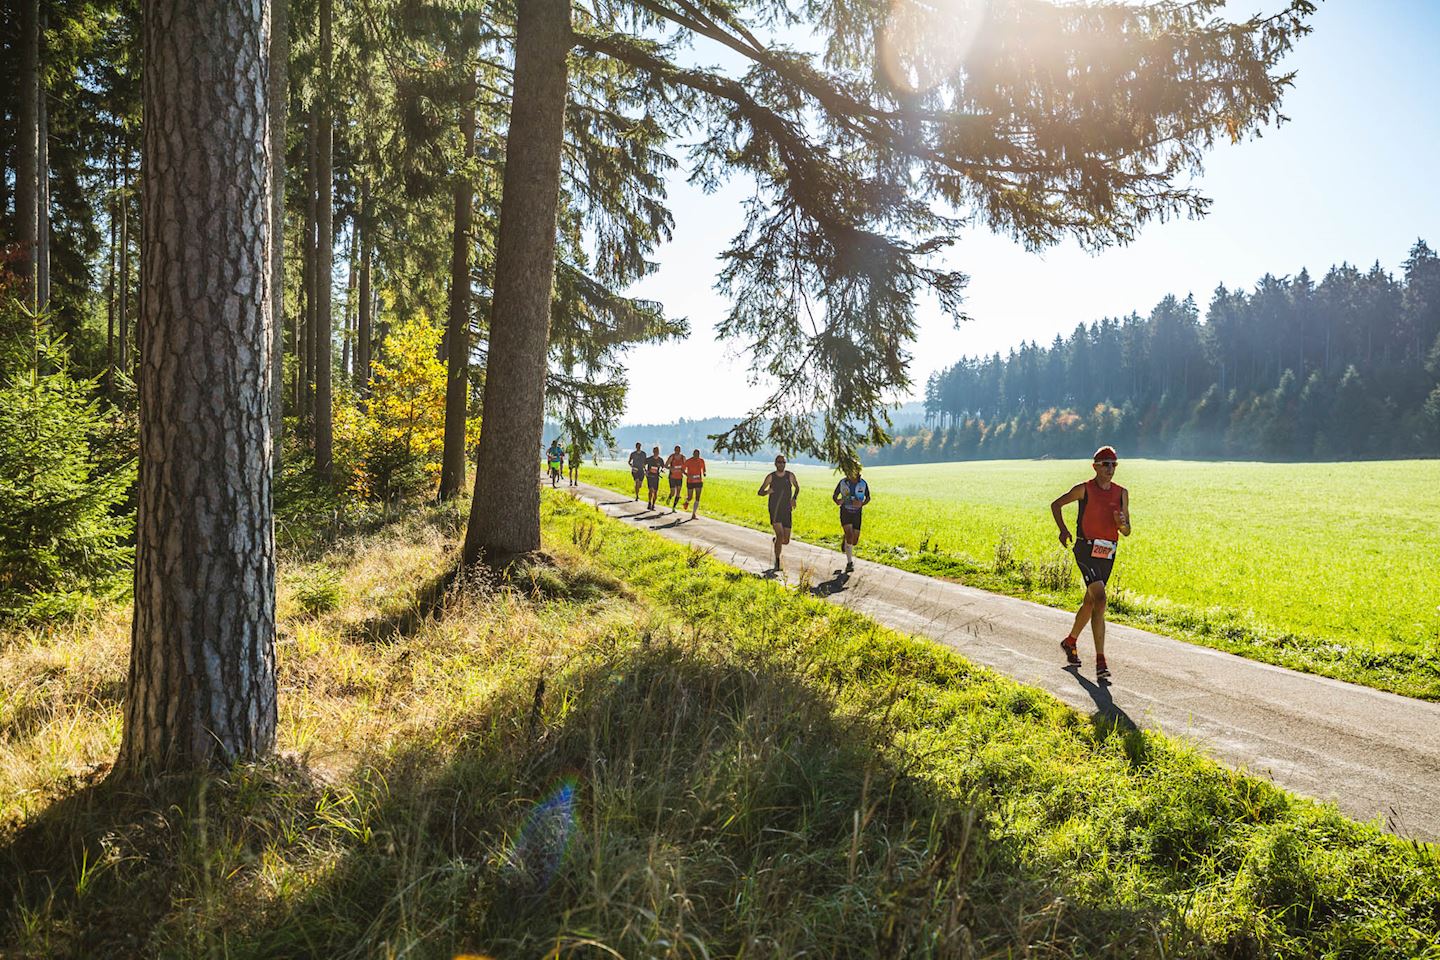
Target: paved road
[1375,754]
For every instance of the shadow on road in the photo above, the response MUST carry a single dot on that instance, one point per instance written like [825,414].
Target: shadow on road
[832,586]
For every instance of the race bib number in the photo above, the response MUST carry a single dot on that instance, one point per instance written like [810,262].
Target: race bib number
[1103,549]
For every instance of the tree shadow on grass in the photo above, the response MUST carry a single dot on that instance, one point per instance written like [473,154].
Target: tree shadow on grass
[403,619]
[659,794]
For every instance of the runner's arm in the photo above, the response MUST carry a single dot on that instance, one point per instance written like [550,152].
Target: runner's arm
[1123,521]
[866,502]
[1074,493]
[794,490]
[764,486]
[836,495]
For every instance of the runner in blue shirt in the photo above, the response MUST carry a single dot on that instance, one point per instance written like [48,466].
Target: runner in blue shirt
[851,493]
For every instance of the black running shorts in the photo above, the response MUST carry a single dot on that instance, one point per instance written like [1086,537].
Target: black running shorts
[693,486]
[637,474]
[652,480]
[675,483]
[1092,568]
[850,518]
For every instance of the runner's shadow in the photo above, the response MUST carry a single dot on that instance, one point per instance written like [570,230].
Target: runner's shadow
[1110,720]
[832,586]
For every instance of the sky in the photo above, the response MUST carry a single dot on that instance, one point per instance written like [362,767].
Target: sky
[1350,178]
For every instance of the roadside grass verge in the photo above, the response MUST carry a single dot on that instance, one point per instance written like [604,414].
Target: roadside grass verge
[632,750]
[1254,559]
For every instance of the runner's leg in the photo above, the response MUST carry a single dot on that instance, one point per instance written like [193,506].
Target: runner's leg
[1096,595]
[698,490]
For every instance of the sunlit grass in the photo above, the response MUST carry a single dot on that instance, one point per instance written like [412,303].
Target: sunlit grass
[1326,567]
[630,749]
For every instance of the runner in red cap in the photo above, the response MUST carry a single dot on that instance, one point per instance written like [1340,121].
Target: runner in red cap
[1102,519]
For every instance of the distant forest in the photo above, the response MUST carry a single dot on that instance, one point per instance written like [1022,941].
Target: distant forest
[1348,368]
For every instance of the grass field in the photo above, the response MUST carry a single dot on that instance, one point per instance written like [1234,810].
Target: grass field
[631,750]
[1332,568]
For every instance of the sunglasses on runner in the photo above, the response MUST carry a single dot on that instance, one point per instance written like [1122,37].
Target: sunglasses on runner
[1106,463]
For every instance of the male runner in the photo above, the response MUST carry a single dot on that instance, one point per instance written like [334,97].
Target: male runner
[556,458]
[576,452]
[637,467]
[653,465]
[1102,518]
[676,464]
[851,493]
[783,489]
[694,481]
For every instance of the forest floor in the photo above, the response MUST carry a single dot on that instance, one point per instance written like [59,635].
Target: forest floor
[631,749]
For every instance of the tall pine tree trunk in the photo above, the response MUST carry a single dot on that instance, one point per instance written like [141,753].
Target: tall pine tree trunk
[348,318]
[27,151]
[457,383]
[505,514]
[202,667]
[325,248]
[110,283]
[122,334]
[365,336]
[42,186]
[307,361]
[279,106]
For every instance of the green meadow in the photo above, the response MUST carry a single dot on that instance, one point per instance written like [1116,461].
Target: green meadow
[1332,568]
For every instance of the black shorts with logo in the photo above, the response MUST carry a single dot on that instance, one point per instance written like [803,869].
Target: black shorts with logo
[675,484]
[1092,568]
[850,518]
[652,480]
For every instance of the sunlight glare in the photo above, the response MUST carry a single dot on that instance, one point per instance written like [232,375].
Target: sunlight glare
[926,41]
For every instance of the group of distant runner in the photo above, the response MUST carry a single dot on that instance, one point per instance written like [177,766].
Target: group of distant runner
[1102,518]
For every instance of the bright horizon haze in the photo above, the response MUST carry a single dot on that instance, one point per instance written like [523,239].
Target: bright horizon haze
[1345,180]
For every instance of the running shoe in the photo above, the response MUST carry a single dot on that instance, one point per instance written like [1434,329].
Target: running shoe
[1102,672]
[1072,656]
[849,566]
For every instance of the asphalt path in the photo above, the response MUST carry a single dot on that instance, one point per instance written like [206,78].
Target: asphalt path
[1374,754]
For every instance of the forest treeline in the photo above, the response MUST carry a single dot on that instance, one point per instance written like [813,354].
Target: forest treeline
[1344,369]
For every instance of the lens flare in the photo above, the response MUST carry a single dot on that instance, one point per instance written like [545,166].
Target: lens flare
[926,41]
[539,849]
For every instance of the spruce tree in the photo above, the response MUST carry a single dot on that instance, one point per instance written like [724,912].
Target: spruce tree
[63,529]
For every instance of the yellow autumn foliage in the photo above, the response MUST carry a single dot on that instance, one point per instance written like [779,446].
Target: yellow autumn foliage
[389,445]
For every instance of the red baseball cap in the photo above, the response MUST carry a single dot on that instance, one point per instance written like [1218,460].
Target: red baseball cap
[1105,453]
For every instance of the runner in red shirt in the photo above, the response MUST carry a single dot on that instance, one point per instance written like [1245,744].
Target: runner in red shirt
[694,481]
[675,463]
[1102,518]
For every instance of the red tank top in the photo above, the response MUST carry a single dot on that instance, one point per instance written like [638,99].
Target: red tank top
[1097,512]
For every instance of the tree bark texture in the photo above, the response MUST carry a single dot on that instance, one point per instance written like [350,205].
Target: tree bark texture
[505,513]
[457,382]
[325,248]
[110,283]
[202,667]
[279,105]
[363,340]
[27,151]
